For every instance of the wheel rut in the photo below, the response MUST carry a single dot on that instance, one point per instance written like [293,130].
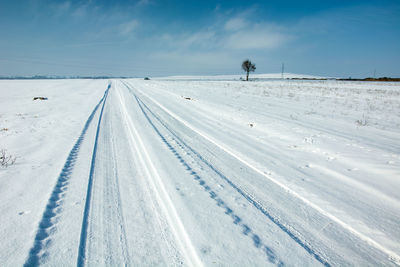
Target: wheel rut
[83,236]
[161,195]
[245,229]
[53,209]
[392,255]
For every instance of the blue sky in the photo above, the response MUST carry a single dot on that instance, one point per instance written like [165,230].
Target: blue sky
[172,37]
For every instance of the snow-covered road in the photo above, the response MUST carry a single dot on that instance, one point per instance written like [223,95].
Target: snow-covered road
[185,172]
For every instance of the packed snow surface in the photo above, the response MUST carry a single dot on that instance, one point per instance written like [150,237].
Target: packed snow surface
[199,171]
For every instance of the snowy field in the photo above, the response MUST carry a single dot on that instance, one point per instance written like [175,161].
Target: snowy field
[197,171]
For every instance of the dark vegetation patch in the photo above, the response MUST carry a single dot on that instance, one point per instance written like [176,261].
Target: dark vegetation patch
[40,98]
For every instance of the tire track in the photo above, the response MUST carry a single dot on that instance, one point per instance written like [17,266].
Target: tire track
[112,193]
[83,237]
[243,193]
[163,199]
[392,256]
[54,205]
[300,241]
[237,220]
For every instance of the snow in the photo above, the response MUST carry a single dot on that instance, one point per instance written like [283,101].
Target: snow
[200,171]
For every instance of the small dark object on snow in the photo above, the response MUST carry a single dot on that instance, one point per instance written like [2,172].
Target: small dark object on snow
[40,98]
[6,159]
[251,124]
[188,98]
[146,78]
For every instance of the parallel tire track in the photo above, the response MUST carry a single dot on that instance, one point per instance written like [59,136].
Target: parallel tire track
[246,230]
[112,193]
[83,237]
[163,199]
[242,192]
[394,257]
[53,207]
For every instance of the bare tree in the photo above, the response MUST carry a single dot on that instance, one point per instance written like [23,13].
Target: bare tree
[247,66]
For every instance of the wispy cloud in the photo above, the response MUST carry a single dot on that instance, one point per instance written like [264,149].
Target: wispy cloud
[233,33]
[257,36]
[128,28]
[235,24]
[200,39]
[73,10]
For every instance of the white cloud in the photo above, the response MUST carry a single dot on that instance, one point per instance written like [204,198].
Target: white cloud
[240,32]
[128,27]
[240,36]
[197,39]
[74,10]
[234,34]
[255,38]
[235,24]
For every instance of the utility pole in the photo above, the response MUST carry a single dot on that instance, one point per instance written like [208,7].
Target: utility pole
[283,69]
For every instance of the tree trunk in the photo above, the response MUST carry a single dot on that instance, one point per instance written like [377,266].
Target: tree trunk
[247,76]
